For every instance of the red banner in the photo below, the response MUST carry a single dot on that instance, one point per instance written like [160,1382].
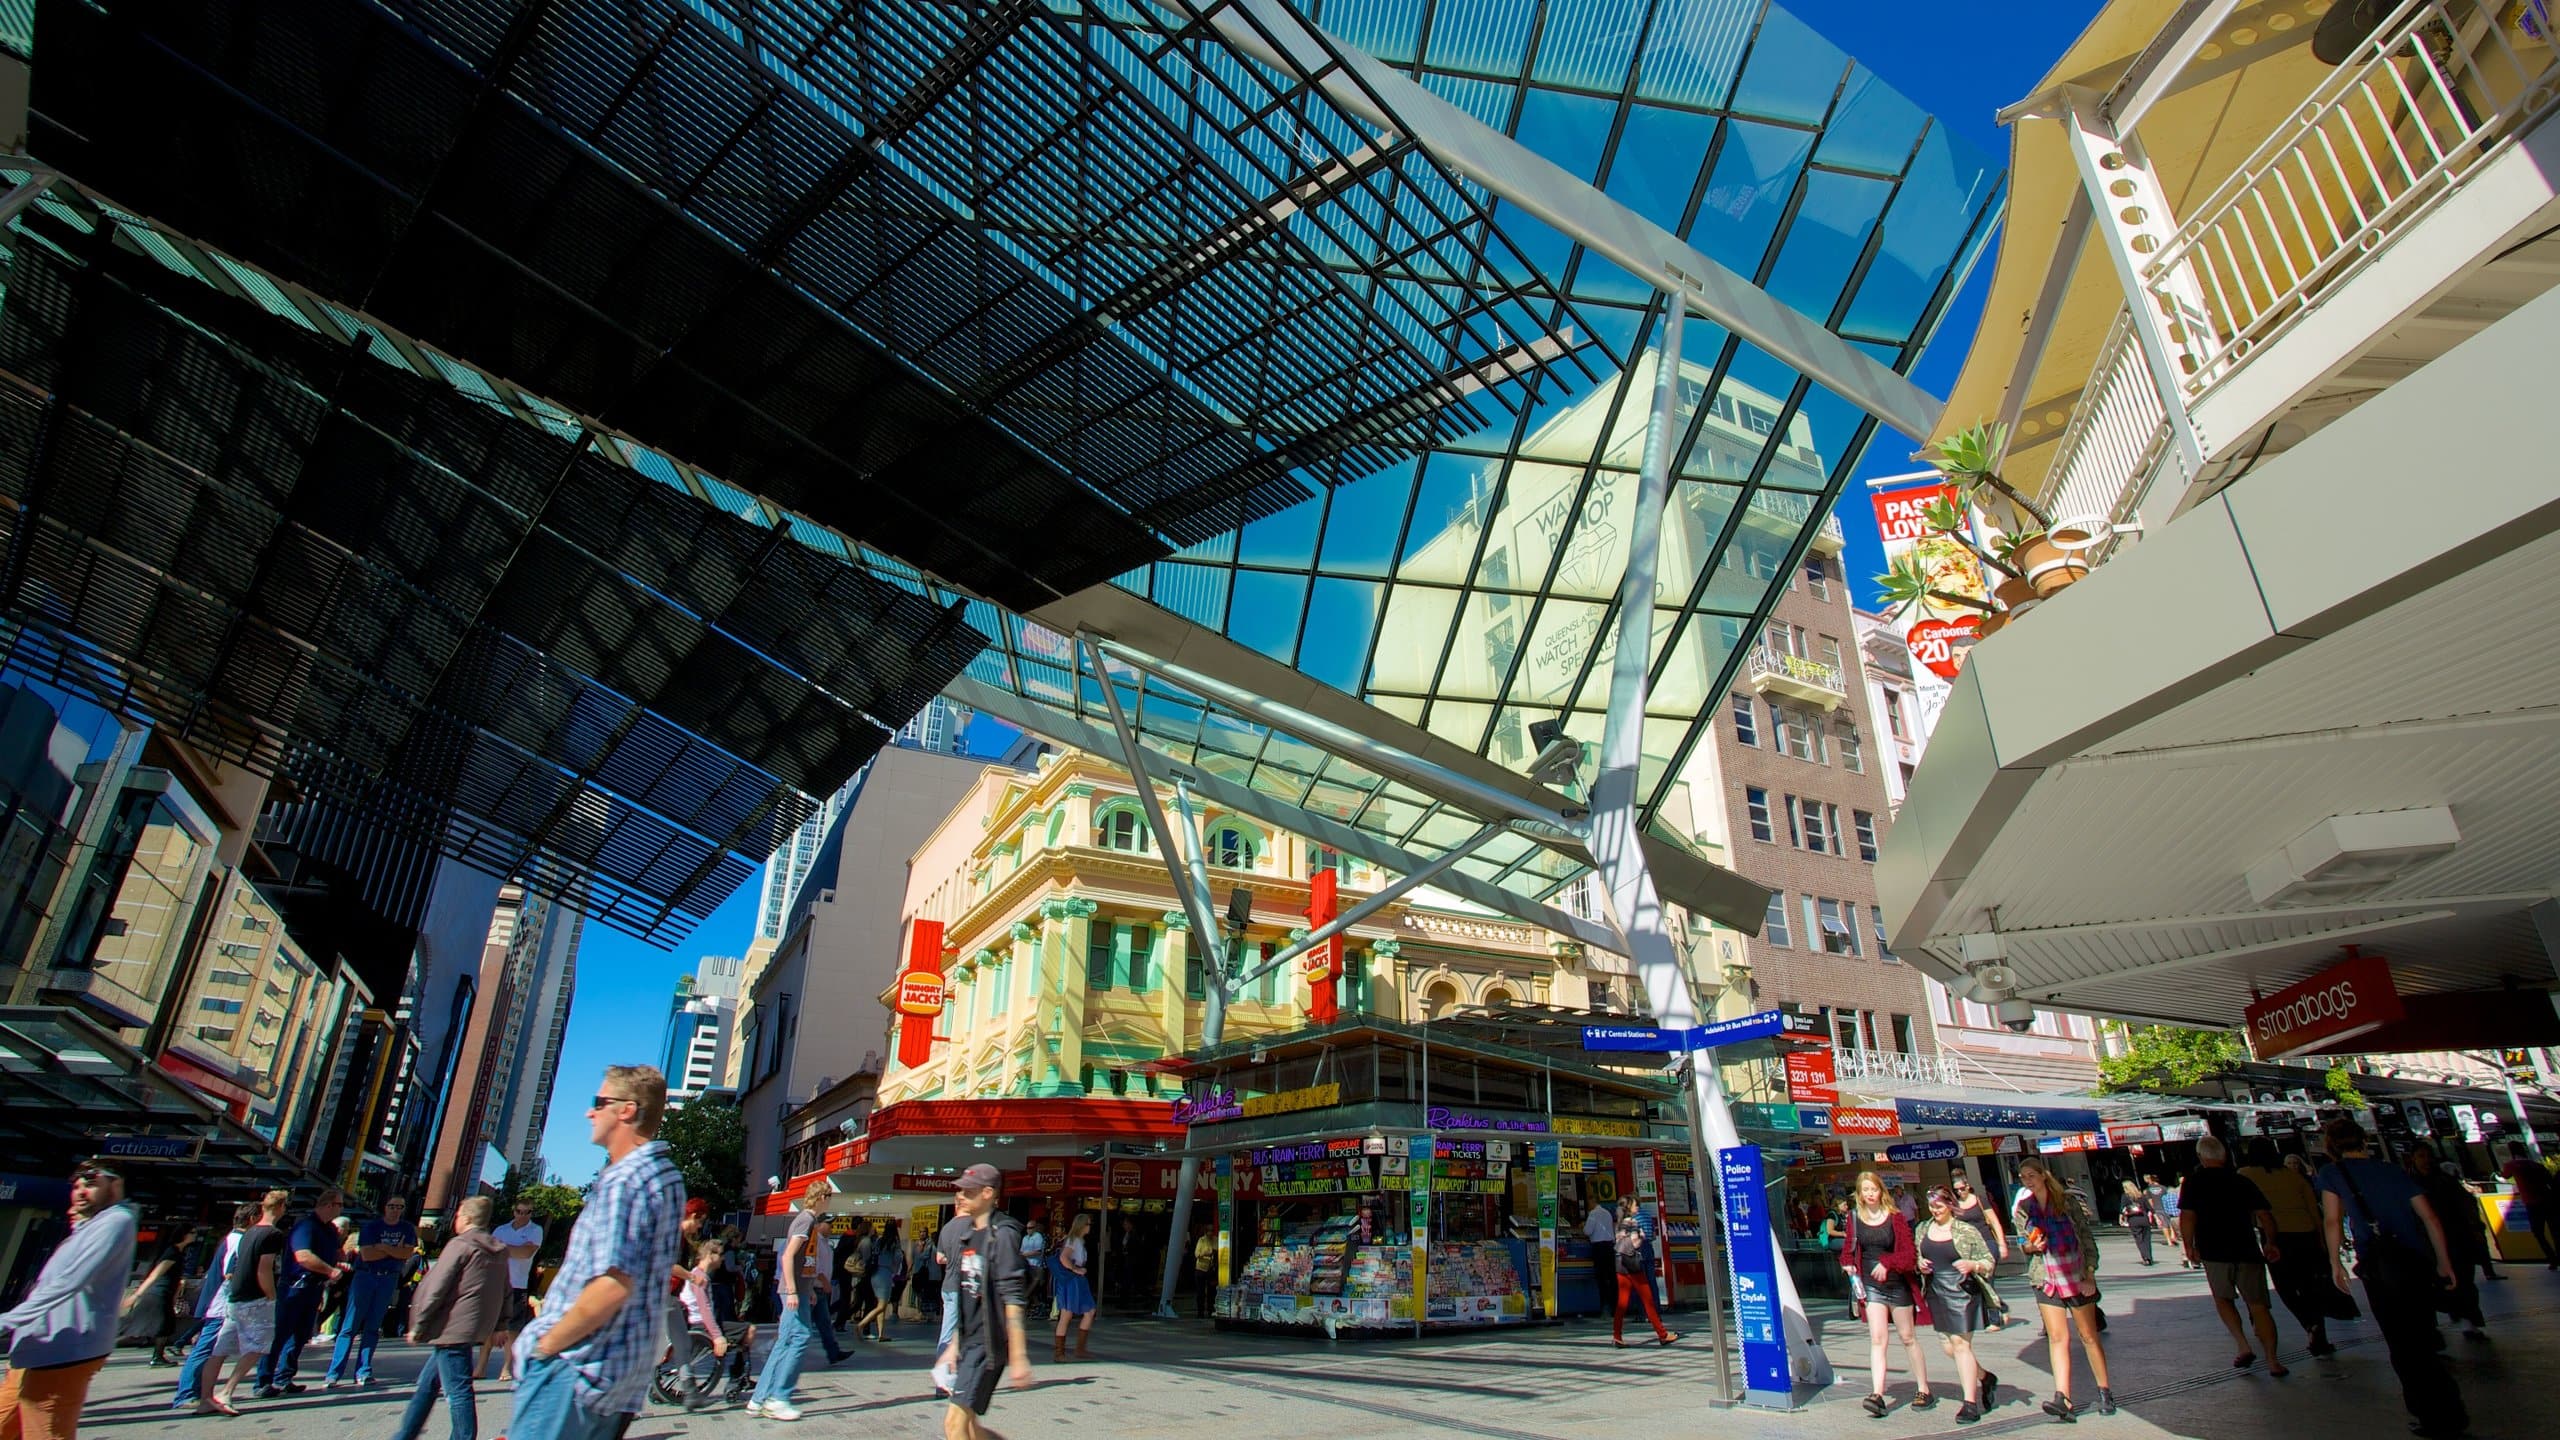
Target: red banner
[1898,513]
[920,993]
[1321,983]
[2346,1000]
[1810,1078]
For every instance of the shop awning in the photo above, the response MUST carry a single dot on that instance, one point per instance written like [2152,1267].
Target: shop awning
[69,1089]
[928,1139]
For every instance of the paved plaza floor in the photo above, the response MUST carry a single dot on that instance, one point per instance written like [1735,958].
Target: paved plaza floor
[2170,1356]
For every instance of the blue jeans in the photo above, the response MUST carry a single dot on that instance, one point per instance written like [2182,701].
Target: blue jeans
[369,1296]
[294,1316]
[782,1363]
[547,1405]
[191,1374]
[447,1373]
[822,1323]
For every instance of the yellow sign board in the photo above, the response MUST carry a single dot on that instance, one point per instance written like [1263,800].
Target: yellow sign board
[1313,1097]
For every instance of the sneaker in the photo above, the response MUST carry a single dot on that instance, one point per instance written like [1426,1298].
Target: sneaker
[1983,1393]
[1968,1413]
[333,1383]
[755,1407]
[2106,1401]
[780,1410]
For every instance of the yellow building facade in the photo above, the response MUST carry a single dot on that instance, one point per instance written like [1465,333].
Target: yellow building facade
[1068,964]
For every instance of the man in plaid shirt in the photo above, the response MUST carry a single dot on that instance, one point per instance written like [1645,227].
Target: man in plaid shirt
[584,1363]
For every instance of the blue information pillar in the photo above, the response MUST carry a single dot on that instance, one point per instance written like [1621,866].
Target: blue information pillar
[1765,1376]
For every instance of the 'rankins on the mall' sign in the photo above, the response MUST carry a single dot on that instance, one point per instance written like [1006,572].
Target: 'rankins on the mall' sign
[2346,1000]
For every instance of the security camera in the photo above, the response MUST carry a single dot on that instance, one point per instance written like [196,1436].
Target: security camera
[2018,1015]
[773,1182]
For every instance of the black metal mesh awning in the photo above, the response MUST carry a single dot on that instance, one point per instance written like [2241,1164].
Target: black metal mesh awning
[413,604]
[1139,290]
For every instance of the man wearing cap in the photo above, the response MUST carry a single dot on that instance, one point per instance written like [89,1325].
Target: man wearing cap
[985,1251]
[797,1284]
[64,1330]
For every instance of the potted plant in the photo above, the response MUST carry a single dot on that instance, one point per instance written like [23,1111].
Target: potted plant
[2027,545]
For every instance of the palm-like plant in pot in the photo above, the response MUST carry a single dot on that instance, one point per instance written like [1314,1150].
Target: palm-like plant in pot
[2026,547]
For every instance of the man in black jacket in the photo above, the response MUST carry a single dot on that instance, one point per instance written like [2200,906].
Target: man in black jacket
[985,1252]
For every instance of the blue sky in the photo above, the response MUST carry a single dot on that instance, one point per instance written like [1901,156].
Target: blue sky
[1960,63]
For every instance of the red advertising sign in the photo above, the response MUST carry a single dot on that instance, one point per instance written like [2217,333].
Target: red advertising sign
[1858,1120]
[1898,512]
[1810,1077]
[2133,1134]
[1048,1176]
[1939,644]
[923,974]
[924,1182]
[1324,963]
[2346,1000]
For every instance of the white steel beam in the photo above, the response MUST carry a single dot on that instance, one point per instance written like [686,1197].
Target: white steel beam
[1039,719]
[2141,216]
[2156,70]
[1361,85]
[1617,849]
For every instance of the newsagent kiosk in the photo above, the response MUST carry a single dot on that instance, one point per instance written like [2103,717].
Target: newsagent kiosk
[1375,1175]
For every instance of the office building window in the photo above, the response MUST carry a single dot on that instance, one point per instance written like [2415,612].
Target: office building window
[1099,956]
[1906,1035]
[1746,722]
[1774,928]
[1816,837]
[1756,800]
[1817,577]
[1883,951]
[1832,924]
[1894,719]
[1866,835]
[1853,751]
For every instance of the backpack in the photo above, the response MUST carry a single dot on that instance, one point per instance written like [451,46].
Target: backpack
[1630,1238]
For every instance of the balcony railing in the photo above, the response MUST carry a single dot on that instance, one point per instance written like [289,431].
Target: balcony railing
[2116,442]
[1829,538]
[2437,88]
[1795,673]
[1850,1063]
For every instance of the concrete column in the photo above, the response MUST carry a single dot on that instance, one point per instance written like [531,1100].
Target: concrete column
[1175,1001]
[1066,932]
[1387,980]
[1078,800]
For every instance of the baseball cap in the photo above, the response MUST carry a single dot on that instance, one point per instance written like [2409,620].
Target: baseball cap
[982,1176]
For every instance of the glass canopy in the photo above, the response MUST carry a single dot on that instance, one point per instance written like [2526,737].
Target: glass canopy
[1373,422]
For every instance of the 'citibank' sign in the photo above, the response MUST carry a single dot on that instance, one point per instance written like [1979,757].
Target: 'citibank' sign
[2346,1000]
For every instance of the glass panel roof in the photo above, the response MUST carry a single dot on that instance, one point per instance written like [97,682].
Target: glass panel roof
[1456,389]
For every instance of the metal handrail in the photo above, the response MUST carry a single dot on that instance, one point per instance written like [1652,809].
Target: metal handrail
[2436,89]
[2116,441]
[1858,1063]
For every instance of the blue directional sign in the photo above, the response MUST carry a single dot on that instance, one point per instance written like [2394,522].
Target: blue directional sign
[1673,1040]
[1649,1038]
[1732,1032]
[1767,1380]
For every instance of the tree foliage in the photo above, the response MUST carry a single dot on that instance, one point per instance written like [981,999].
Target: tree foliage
[2342,1085]
[2166,1057]
[707,1139]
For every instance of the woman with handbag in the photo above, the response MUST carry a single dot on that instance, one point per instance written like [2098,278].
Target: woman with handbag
[1881,1256]
[2056,1228]
[2134,1214]
[2405,1264]
[1956,1268]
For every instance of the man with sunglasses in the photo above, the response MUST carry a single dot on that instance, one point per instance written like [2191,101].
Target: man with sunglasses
[584,1364]
[64,1330]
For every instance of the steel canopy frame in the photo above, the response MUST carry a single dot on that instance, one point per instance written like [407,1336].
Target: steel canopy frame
[1371,89]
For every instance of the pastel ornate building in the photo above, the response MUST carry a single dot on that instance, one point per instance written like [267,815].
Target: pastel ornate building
[1069,965]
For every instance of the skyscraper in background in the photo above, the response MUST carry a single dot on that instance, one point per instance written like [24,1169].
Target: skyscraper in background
[701,1020]
[543,964]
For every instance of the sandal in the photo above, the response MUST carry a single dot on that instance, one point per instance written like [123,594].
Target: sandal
[1925,1400]
[1877,1405]
[2059,1407]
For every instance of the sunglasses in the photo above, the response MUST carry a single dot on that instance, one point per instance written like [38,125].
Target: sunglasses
[93,1176]
[602,1101]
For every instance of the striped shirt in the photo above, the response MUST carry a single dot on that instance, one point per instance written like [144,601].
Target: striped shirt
[631,1227]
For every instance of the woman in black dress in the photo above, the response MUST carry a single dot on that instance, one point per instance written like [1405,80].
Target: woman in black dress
[150,1315]
[1881,1257]
[1951,1254]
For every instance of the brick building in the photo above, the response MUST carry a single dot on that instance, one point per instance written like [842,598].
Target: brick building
[1806,805]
